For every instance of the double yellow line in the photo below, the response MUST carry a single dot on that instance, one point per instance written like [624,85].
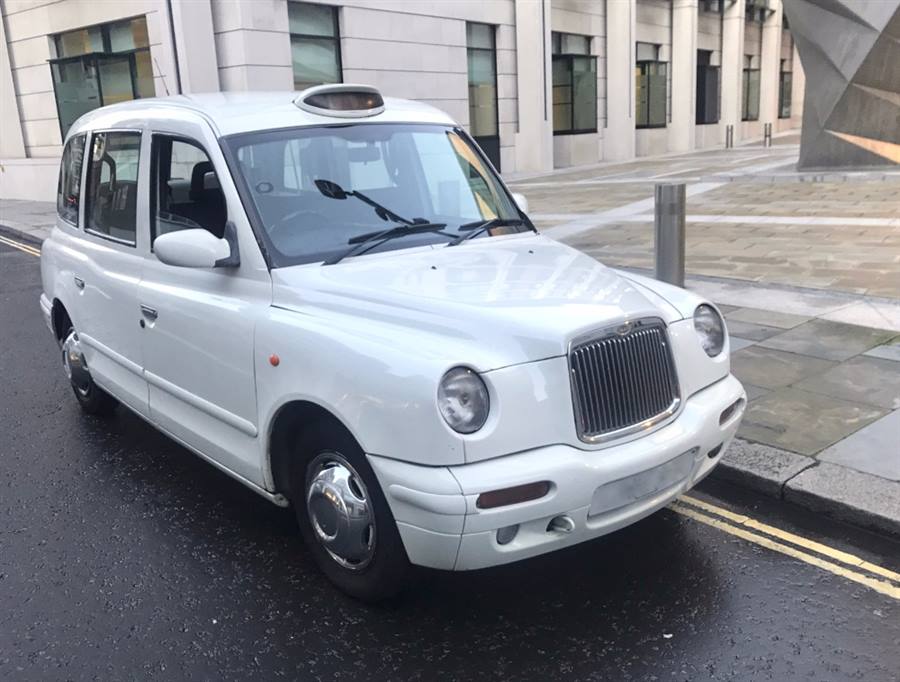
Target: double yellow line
[31,250]
[843,564]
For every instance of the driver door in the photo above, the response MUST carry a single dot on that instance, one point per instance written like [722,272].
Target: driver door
[199,322]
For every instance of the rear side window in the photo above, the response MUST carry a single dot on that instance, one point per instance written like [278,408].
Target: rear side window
[111,194]
[68,189]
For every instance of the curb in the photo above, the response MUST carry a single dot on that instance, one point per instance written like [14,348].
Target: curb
[835,491]
[19,234]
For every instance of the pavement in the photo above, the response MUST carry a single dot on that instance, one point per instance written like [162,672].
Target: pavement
[806,269]
[123,556]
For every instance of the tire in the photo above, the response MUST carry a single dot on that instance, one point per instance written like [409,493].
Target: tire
[326,452]
[92,399]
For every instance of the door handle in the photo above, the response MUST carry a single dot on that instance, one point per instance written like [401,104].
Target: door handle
[78,281]
[149,313]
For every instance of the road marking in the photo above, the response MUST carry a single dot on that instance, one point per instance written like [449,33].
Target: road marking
[799,540]
[20,246]
[882,586]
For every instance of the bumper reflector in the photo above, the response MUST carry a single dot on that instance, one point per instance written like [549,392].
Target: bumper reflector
[514,495]
[507,534]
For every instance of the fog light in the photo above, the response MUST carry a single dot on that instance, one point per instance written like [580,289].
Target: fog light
[514,495]
[730,411]
[507,534]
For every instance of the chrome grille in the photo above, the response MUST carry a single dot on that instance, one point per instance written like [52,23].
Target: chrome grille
[623,380]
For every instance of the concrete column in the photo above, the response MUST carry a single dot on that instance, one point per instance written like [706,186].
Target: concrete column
[798,89]
[619,141]
[534,138]
[12,142]
[195,45]
[769,63]
[732,66]
[684,75]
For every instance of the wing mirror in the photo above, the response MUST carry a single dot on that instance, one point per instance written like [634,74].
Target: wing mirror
[521,202]
[198,248]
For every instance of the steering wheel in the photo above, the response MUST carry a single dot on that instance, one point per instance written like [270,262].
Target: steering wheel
[319,220]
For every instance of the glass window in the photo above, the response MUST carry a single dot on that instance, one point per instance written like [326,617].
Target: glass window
[315,44]
[785,85]
[750,87]
[111,190]
[101,65]
[418,172]
[68,191]
[651,83]
[483,108]
[574,85]
[186,193]
[707,88]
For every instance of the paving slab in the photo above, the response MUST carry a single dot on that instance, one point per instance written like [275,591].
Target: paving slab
[768,318]
[803,422]
[874,449]
[848,495]
[760,467]
[738,343]
[753,332]
[769,368]
[881,315]
[754,392]
[828,340]
[868,380]
[887,351]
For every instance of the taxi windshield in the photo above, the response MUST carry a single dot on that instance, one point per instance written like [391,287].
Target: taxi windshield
[314,190]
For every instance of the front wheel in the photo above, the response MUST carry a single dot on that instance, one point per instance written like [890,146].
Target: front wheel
[344,517]
[92,398]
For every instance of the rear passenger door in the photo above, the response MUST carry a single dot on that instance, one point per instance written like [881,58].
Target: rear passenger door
[109,269]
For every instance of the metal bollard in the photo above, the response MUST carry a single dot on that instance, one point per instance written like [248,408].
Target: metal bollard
[669,228]
[729,136]
[767,134]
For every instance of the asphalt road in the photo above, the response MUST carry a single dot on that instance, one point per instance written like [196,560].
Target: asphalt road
[123,556]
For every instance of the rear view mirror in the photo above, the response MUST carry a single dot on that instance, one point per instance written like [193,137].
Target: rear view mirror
[521,202]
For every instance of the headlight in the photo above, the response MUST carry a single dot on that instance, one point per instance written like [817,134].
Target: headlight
[463,400]
[710,328]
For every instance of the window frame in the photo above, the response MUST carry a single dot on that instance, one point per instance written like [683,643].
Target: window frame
[492,50]
[746,75]
[789,99]
[569,59]
[335,38]
[713,68]
[93,59]
[86,198]
[61,189]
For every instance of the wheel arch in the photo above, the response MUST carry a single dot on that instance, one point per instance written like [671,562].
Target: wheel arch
[289,422]
[59,316]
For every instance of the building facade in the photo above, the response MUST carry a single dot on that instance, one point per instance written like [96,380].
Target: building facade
[541,84]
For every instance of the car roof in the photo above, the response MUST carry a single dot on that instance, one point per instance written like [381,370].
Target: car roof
[230,113]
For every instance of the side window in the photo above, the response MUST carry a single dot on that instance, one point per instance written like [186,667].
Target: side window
[111,194]
[186,191]
[68,190]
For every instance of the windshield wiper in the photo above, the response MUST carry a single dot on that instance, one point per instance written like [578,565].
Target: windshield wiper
[363,242]
[472,230]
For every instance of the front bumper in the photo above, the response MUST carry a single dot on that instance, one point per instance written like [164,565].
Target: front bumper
[600,490]
[47,311]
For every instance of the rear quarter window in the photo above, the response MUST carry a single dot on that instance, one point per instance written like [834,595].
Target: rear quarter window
[68,190]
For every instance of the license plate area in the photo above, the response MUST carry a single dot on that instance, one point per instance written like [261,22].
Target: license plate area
[631,489]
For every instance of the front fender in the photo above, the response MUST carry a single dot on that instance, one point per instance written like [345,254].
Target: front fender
[378,385]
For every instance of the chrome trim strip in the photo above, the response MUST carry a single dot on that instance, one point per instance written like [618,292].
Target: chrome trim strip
[647,425]
[132,367]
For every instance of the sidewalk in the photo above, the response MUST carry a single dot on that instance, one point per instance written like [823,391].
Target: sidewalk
[806,269]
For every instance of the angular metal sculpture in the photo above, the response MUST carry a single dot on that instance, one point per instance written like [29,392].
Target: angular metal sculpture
[850,50]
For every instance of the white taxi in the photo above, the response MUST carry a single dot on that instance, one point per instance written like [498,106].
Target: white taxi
[332,297]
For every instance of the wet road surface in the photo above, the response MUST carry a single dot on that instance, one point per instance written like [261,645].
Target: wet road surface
[123,556]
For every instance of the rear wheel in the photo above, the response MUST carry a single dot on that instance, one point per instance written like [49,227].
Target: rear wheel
[344,517]
[92,398]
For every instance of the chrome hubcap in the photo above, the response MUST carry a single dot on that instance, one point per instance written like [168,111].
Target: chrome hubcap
[340,511]
[74,364]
